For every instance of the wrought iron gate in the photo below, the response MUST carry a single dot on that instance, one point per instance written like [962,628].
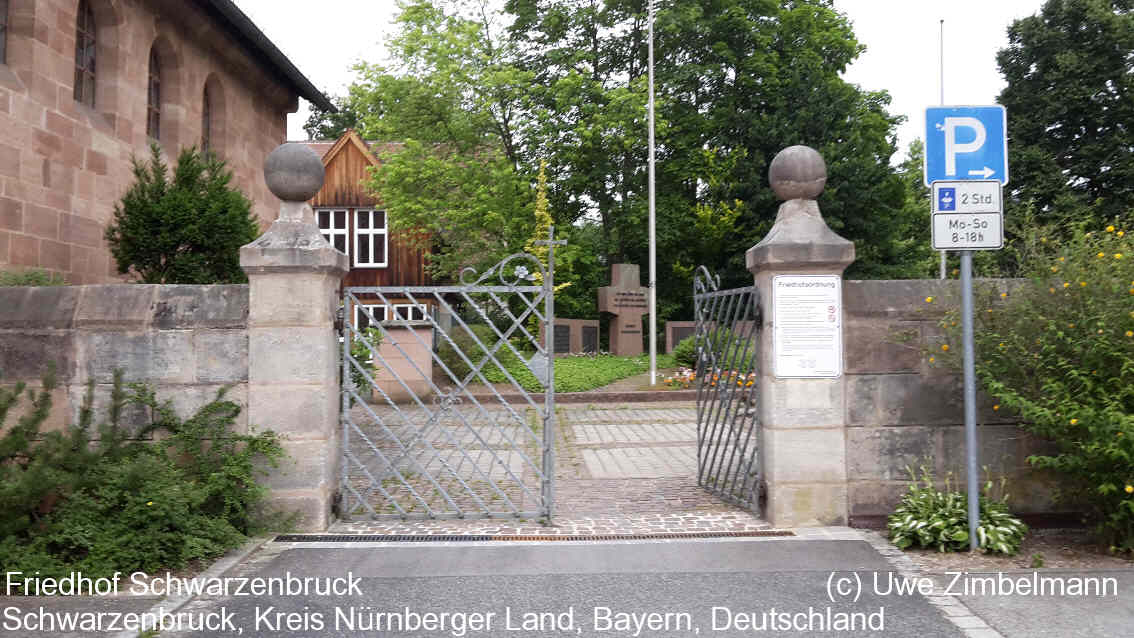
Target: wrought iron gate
[460,421]
[728,419]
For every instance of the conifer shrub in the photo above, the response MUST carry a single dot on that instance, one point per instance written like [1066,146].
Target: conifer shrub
[184,228]
[734,353]
[685,352]
[97,499]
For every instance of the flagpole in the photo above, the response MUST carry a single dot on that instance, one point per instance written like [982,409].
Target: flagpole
[653,236]
[941,58]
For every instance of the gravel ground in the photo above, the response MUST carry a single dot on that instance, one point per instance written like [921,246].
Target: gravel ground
[1054,549]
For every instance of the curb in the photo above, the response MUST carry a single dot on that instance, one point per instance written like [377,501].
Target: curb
[955,611]
[171,604]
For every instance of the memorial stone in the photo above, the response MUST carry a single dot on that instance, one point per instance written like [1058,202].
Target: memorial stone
[626,298]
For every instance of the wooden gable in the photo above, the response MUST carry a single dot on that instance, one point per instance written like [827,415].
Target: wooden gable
[346,164]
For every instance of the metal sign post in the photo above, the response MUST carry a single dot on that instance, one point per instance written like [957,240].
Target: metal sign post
[970,395]
[966,165]
[967,216]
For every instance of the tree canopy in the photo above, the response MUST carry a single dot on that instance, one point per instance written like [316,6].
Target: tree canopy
[481,98]
[1070,102]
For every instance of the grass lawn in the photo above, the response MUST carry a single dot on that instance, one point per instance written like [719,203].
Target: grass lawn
[580,373]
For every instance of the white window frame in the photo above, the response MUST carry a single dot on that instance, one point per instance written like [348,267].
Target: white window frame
[330,233]
[411,307]
[367,261]
[384,315]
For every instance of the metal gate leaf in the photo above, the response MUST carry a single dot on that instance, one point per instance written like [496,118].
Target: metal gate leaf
[728,420]
[439,442]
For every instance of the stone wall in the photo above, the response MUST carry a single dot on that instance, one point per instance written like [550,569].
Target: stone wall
[64,165]
[901,410]
[187,342]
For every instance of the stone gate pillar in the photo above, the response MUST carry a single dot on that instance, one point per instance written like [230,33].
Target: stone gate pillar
[799,264]
[293,276]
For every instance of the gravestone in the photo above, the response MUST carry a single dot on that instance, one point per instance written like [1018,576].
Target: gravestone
[626,298]
[562,338]
[572,336]
[590,339]
[678,331]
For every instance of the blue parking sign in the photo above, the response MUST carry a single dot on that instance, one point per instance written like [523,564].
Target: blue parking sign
[966,143]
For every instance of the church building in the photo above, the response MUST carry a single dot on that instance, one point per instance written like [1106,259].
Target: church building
[87,84]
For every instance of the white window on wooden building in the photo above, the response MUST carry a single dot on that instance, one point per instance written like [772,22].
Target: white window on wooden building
[409,311]
[362,321]
[333,224]
[370,238]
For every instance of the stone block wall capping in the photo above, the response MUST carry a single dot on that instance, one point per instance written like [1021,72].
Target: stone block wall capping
[803,420]
[292,256]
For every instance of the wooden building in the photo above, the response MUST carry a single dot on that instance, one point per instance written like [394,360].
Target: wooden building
[353,221]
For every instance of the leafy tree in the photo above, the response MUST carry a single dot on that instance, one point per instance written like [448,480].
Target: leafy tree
[472,211]
[324,124]
[452,96]
[737,81]
[921,260]
[181,229]
[565,82]
[1070,102]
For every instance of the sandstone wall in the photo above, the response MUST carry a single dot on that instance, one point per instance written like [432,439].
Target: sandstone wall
[901,410]
[189,341]
[64,165]
[186,342]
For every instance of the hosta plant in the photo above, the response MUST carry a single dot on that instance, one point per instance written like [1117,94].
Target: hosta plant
[932,518]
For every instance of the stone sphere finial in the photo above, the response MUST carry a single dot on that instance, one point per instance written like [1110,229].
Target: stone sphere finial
[294,172]
[798,172]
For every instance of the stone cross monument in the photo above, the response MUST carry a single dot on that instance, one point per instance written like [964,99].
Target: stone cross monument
[293,353]
[799,264]
[627,300]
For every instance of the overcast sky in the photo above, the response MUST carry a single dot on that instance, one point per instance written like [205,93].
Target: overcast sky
[324,38]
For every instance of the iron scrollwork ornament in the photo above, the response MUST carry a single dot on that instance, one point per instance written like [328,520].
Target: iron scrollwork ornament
[507,272]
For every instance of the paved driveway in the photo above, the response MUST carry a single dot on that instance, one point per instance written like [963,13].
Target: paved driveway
[620,468]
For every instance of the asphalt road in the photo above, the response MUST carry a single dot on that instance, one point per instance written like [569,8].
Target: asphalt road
[650,589]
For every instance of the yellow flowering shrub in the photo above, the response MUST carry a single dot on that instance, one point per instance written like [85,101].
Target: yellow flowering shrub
[1059,355]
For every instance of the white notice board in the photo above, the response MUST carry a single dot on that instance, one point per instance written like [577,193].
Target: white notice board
[807,326]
